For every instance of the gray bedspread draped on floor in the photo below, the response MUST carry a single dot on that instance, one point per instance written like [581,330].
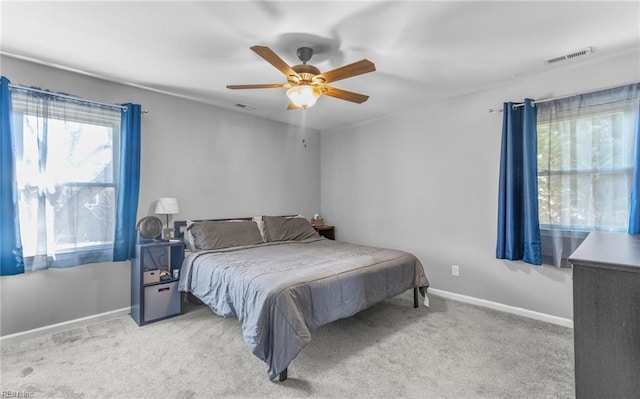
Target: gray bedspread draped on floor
[281,291]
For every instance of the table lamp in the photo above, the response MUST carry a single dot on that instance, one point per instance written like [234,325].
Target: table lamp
[167,206]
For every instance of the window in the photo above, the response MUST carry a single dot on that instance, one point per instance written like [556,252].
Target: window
[585,169]
[66,170]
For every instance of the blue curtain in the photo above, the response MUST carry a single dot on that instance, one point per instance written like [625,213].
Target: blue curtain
[518,225]
[129,184]
[11,261]
[634,214]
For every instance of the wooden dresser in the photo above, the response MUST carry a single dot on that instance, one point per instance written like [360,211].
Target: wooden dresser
[606,313]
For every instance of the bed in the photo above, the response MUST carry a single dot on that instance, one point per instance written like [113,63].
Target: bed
[281,280]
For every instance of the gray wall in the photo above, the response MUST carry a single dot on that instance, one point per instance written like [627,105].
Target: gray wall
[217,163]
[426,181]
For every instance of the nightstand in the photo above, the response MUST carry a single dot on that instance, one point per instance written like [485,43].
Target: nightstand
[326,230]
[154,294]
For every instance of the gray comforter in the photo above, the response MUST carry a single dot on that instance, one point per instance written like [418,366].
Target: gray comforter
[281,291]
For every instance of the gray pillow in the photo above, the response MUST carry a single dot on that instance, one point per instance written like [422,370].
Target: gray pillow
[280,228]
[224,234]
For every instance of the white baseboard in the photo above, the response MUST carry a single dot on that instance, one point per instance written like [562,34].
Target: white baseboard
[561,321]
[65,325]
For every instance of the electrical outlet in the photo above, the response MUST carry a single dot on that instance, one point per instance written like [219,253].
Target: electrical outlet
[455,270]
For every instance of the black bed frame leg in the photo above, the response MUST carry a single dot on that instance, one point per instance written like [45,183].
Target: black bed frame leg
[283,375]
[415,299]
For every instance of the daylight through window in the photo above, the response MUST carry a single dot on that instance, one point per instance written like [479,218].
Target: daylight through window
[66,167]
[586,149]
[585,167]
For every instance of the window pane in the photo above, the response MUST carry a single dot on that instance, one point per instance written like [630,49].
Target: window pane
[586,147]
[545,206]
[67,158]
[76,152]
[585,164]
[83,216]
[77,216]
[544,147]
[586,201]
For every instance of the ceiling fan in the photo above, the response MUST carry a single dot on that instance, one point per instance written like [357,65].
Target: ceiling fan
[305,82]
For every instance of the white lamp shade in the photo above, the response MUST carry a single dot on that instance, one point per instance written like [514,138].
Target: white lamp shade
[304,96]
[167,206]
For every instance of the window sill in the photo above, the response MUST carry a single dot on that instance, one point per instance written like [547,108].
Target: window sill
[68,259]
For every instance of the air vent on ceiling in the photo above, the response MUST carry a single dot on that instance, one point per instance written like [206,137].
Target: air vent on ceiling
[577,53]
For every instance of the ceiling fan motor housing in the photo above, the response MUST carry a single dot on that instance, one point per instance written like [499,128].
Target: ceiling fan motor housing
[307,74]
[305,54]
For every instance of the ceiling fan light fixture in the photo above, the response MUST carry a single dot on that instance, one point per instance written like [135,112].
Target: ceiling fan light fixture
[304,96]
[305,82]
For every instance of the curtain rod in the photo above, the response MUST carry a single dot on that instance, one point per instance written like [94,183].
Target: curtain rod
[123,107]
[561,97]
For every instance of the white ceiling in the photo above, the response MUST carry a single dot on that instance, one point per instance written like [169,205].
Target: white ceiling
[424,51]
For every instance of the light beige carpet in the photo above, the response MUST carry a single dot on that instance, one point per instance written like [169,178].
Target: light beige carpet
[452,350]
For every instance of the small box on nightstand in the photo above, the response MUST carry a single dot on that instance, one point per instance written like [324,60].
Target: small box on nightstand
[151,276]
